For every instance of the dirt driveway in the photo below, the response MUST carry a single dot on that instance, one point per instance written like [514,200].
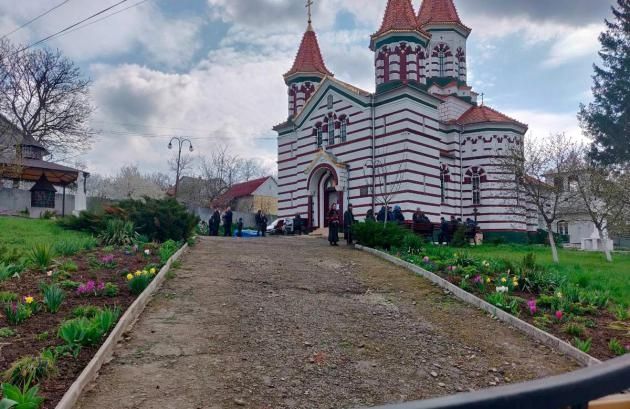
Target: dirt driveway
[293,323]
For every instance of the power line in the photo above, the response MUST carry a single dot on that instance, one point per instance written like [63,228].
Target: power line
[34,19]
[103,18]
[70,27]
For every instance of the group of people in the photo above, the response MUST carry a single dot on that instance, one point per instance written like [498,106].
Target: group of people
[334,222]
[448,228]
[227,218]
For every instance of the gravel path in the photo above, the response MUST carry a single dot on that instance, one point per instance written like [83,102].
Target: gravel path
[293,323]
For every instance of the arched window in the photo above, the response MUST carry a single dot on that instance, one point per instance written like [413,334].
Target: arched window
[331,132]
[442,63]
[444,179]
[344,129]
[476,188]
[320,136]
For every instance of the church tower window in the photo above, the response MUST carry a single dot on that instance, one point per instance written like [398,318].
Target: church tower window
[344,130]
[442,63]
[330,102]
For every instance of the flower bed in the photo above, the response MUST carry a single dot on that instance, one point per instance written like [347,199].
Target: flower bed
[587,319]
[54,319]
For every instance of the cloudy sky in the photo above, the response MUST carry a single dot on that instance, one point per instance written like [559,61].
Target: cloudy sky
[212,69]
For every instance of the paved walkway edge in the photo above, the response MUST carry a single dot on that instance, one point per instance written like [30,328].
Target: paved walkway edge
[536,333]
[90,372]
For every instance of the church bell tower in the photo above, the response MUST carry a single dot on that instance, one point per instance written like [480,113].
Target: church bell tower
[308,69]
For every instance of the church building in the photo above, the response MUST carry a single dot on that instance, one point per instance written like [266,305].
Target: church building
[421,140]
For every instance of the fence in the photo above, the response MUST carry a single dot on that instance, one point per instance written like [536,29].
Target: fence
[573,390]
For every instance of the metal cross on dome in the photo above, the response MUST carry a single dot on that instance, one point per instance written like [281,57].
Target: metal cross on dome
[309,3]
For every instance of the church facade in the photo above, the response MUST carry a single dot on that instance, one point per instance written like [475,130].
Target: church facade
[421,140]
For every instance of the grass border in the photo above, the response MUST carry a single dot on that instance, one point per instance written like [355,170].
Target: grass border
[536,333]
[105,352]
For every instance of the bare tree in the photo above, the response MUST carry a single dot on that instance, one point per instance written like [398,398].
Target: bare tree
[186,163]
[44,94]
[534,164]
[384,179]
[602,196]
[249,169]
[128,183]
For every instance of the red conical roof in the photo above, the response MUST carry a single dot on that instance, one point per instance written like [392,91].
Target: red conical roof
[399,15]
[438,11]
[309,57]
[483,113]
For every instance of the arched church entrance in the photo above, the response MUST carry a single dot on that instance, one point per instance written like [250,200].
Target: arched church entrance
[323,185]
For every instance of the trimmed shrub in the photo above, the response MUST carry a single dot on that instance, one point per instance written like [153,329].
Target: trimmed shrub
[160,219]
[379,235]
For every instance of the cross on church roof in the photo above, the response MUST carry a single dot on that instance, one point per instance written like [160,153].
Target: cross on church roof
[309,4]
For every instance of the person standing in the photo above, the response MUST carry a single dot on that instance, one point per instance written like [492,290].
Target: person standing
[348,222]
[260,226]
[215,222]
[398,215]
[369,216]
[444,236]
[227,222]
[239,227]
[333,225]
[297,225]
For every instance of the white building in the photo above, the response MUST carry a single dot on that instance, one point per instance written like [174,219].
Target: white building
[423,126]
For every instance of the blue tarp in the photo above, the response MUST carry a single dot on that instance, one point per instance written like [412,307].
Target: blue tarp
[246,233]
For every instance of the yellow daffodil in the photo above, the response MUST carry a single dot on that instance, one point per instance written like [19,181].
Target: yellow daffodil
[129,277]
[503,280]
[152,271]
[145,272]
[559,294]
[29,299]
[138,273]
[488,280]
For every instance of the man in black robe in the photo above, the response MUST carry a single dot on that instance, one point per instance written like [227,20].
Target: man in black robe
[348,222]
[227,222]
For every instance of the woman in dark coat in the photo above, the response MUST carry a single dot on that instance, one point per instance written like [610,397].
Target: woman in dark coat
[333,225]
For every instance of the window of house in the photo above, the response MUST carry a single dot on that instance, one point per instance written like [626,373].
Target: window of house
[331,132]
[344,130]
[558,182]
[563,228]
[476,188]
[42,198]
[320,136]
[573,183]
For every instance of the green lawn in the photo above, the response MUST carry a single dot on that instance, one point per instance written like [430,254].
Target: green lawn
[587,269]
[22,233]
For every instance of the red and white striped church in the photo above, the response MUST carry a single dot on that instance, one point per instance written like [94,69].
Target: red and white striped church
[423,122]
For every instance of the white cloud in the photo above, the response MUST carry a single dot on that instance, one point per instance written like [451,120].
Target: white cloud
[542,124]
[165,40]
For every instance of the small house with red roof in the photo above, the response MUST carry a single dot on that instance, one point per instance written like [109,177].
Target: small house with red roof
[423,127]
[251,196]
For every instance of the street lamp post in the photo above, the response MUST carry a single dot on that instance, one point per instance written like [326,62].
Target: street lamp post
[180,143]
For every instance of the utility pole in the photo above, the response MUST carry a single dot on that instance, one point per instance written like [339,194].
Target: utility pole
[181,141]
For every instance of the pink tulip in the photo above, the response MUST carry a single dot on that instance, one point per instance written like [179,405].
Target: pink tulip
[531,304]
[559,315]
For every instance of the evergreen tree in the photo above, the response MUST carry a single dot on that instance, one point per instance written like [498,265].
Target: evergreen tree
[607,119]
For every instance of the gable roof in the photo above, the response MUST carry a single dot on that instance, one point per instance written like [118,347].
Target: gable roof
[309,58]
[483,113]
[399,16]
[439,11]
[240,190]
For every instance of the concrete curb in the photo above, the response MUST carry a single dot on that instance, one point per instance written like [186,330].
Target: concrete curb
[536,333]
[90,372]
